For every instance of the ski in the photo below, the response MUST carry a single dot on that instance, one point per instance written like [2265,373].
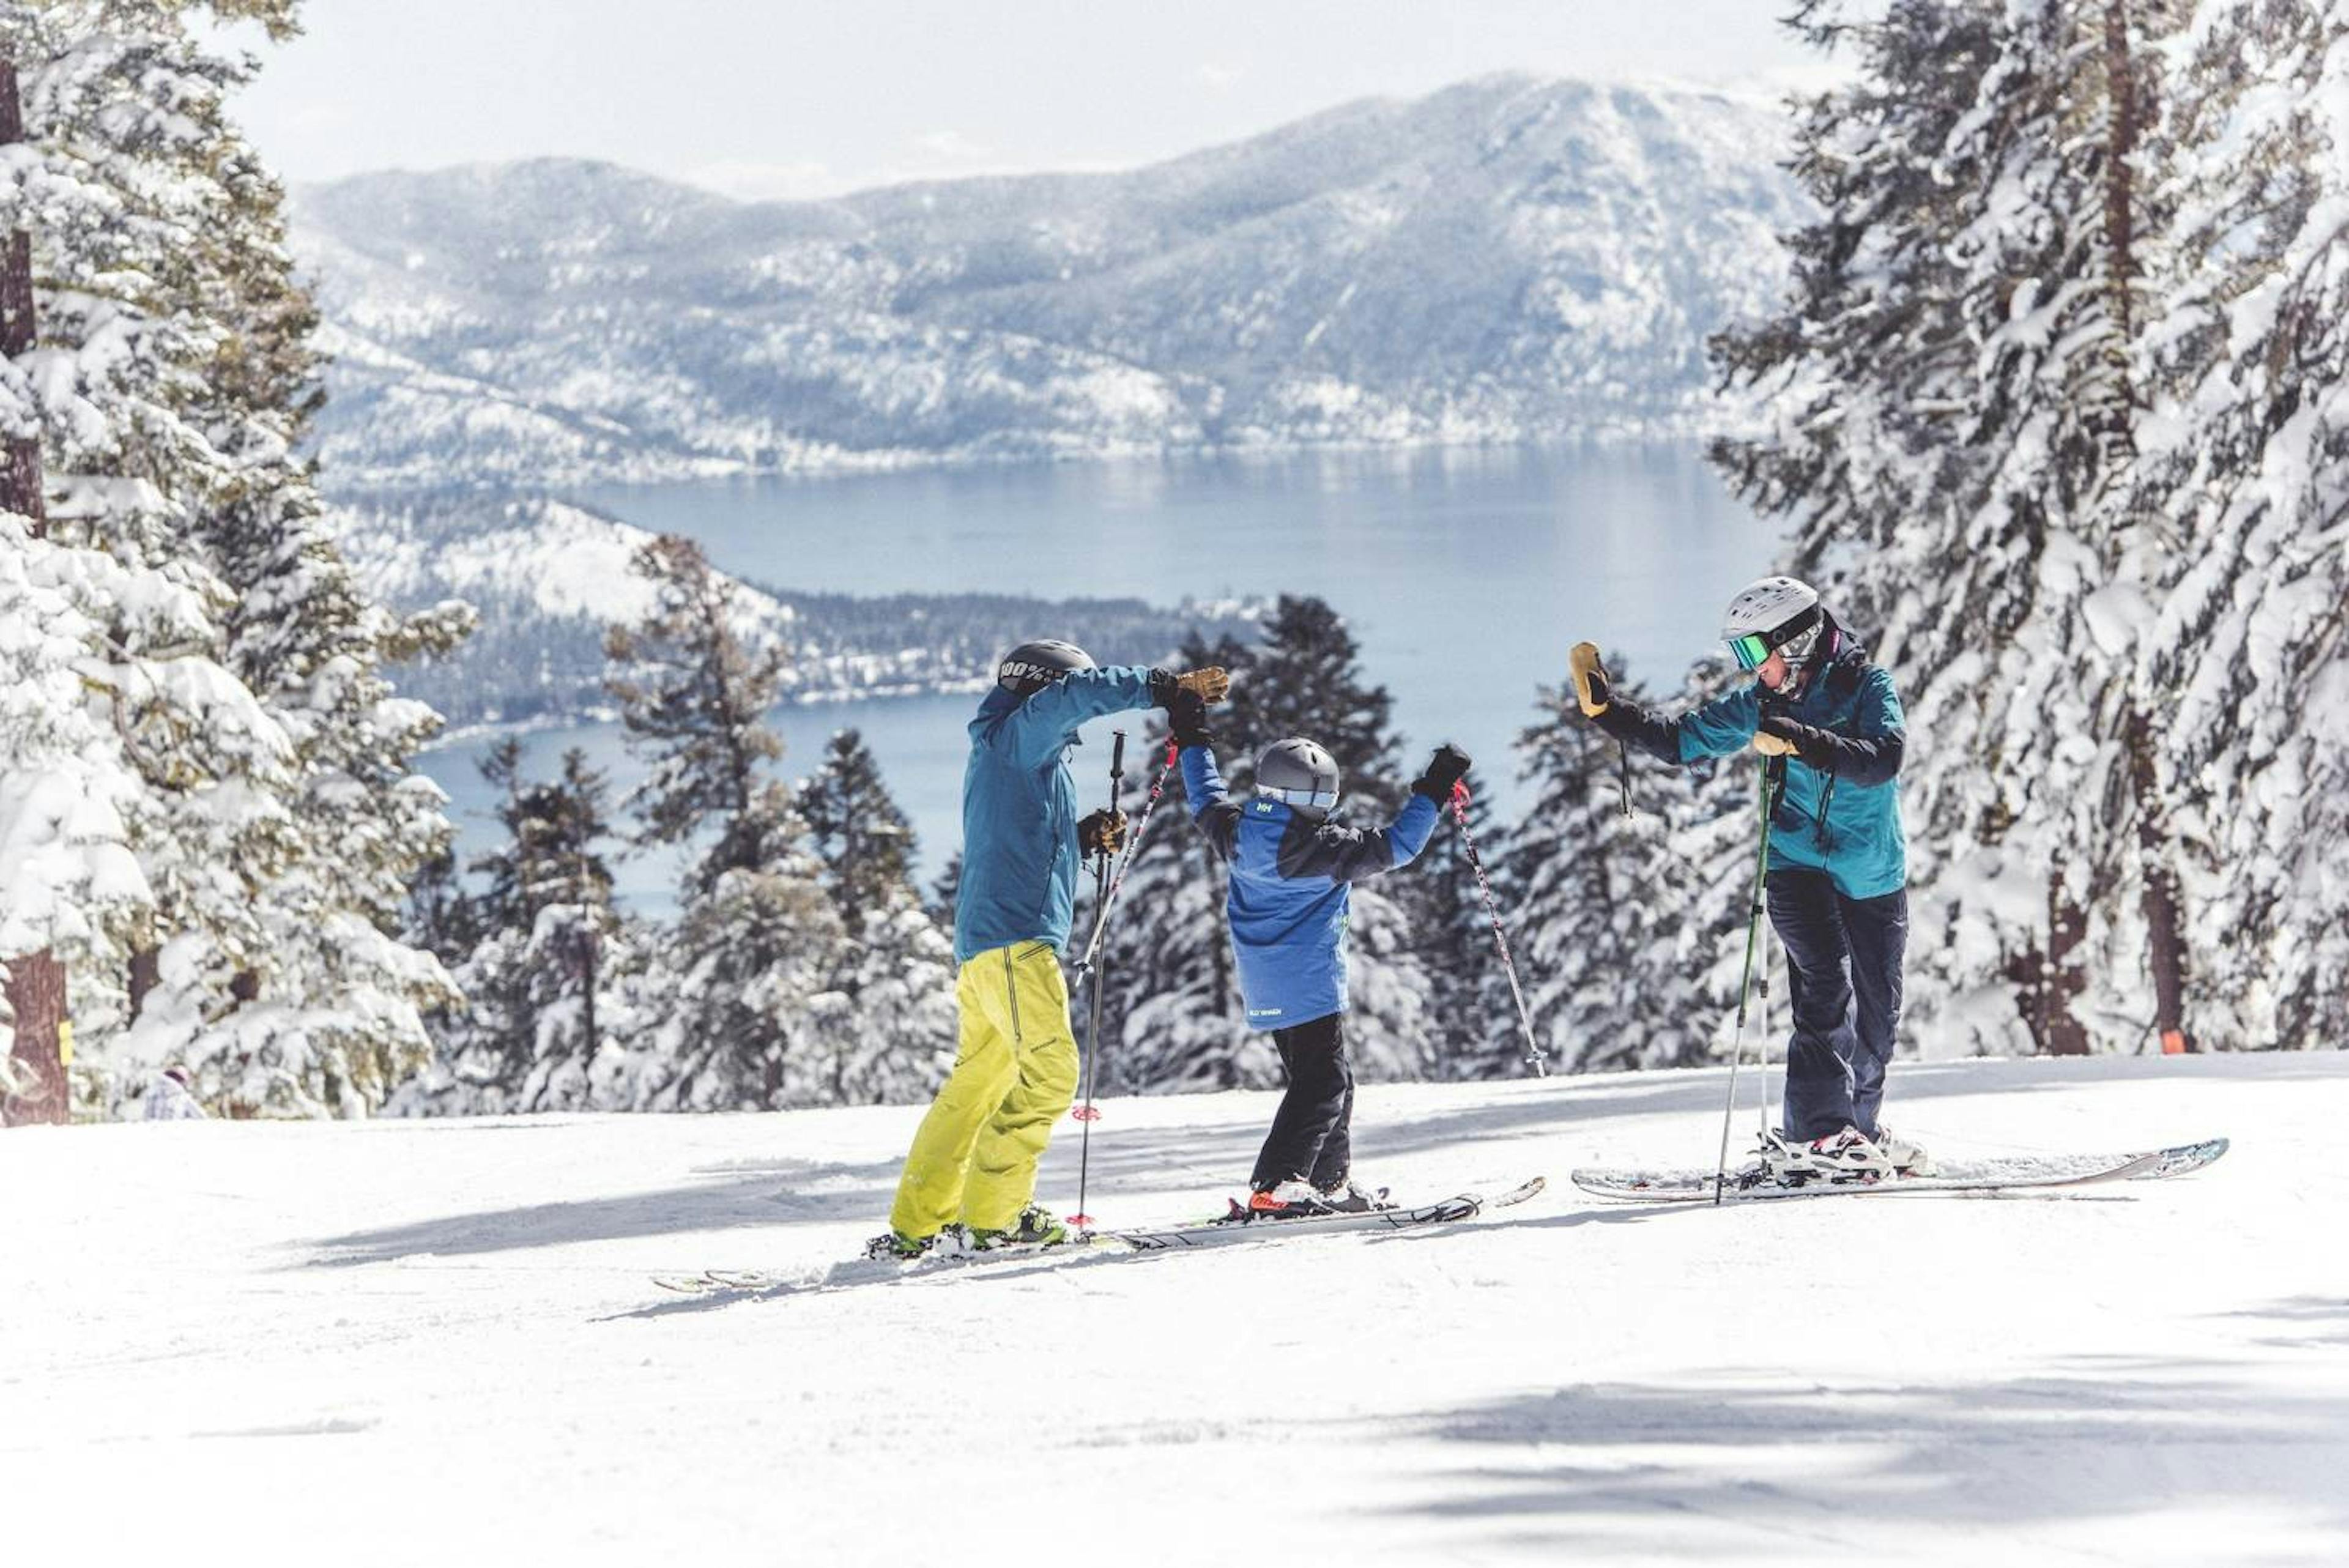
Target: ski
[2010,1173]
[1211,1233]
[1236,1227]
[854,1271]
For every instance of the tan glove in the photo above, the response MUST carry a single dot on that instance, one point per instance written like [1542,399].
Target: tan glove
[1210,683]
[1590,688]
[1771,745]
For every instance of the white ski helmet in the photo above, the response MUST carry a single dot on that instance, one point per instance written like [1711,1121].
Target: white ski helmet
[1032,666]
[1298,774]
[1776,615]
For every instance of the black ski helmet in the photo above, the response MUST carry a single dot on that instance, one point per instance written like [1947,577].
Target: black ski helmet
[1032,666]
[1299,774]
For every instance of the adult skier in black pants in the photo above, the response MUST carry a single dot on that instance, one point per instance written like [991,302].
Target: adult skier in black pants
[1289,892]
[1830,726]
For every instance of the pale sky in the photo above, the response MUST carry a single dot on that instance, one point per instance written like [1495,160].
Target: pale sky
[812,98]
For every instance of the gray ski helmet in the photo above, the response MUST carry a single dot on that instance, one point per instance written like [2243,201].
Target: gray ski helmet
[1032,666]
[1776,615]
[1298,774]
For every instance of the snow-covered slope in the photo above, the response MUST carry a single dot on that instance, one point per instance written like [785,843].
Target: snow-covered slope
[1512,258]
[436,1342]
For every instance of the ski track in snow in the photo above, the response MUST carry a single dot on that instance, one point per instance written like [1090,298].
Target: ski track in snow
[411,1342]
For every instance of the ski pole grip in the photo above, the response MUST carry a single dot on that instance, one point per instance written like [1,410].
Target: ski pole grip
[1117,754]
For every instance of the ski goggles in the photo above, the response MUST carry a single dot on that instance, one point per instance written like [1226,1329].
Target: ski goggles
[1318,799]
[1752,652]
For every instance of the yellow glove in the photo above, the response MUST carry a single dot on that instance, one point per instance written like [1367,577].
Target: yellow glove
[1771,745]
[1210,683]
[1590,688]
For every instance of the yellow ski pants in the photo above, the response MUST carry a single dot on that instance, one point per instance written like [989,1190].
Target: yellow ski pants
[974,1158]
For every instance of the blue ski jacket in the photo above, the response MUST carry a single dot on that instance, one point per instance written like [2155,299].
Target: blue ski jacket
[1291,890]
[1019,808]
[1839,808]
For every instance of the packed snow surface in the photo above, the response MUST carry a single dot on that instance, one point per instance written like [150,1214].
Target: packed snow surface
[405,1342]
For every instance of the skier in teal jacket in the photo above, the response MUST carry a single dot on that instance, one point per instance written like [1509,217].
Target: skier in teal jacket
[970,1176]
[1829,726]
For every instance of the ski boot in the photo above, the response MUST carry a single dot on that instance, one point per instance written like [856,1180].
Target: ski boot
[1291,1199]
[897,1247]
[1034,1228]
[1847,1154]
[1907,1158]
[1345,1198]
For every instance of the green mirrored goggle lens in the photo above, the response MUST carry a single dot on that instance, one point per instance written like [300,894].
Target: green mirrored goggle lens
[1751,652]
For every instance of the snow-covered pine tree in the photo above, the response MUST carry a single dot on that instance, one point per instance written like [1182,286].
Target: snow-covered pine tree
[888,1022]
[325,1014]
[1305,678]
[103,197]
[1629,923]
[1950,418]
[1180,1025]
[758,939]
[65,786]
[278,852]
[857,829]
[1472,1029]
[2244,462]
[1171,1018]
[547,987]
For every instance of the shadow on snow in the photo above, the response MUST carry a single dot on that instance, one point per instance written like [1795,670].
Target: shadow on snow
[1602,1465]
[1219,1154]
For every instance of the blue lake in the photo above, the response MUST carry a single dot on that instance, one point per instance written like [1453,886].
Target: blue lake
[1466,575]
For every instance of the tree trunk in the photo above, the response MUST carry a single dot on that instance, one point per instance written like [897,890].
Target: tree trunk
[588,955]
[2120,146]
[2160,898]
[2061,1031]
[2161,902]
[146,974]
[37,982]
[20,456]
[2049,977]
[37,994]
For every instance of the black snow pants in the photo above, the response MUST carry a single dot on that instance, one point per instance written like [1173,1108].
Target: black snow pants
[1844,960]
[1309,1139]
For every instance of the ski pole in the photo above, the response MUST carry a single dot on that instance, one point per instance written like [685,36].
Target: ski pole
[1745,986]
[1085,964]
[1538,1062]
[1088,1115]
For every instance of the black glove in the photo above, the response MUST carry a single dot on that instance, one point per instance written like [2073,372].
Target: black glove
[1443,771]
[1186,713]
[1103,833]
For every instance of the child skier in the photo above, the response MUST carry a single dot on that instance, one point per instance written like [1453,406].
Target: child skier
[1830,726]
[1291,871]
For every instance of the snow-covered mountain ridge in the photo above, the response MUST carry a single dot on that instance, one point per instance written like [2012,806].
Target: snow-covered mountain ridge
[548,578]
[2149,1376]
[1510,258]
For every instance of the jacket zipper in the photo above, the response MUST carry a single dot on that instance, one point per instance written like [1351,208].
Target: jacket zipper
[1011,990]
